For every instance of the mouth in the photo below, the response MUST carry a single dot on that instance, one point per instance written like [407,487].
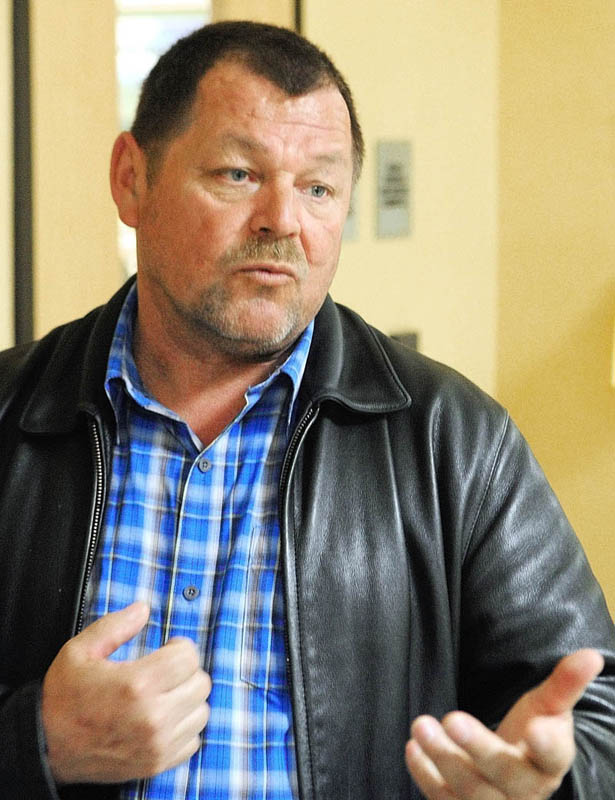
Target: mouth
[270,273]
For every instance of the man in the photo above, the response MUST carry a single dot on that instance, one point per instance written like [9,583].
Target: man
[247,539]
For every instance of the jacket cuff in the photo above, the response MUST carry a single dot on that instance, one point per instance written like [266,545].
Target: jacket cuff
[24,770]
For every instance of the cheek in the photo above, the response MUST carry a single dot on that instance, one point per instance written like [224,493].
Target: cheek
[216,231]
[322,246]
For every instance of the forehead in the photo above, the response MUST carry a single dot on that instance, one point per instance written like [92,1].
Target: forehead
[231,98]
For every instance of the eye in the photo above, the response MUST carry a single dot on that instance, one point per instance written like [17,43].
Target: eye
[237,175]
[318,191]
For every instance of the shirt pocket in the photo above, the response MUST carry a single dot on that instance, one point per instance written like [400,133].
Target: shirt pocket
[263,651]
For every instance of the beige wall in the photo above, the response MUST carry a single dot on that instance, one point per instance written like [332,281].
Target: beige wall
[426,72]
[74,122]
[557,276]
[277,12]
[6,177]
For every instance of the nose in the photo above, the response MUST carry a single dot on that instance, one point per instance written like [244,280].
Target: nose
[275,211]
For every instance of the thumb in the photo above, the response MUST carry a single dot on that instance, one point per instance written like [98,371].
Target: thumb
[106,634]
[555,696]
[565,685]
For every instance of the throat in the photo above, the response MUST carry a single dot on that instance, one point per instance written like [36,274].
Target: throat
[210,416]
[206,390]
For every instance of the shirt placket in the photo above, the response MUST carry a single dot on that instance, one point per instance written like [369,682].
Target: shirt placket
[195,555]
[192,589]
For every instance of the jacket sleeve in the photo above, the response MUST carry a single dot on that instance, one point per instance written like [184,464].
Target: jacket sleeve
[24,771]
[529,598]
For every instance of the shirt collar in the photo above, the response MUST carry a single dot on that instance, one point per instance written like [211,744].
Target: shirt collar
[122,376]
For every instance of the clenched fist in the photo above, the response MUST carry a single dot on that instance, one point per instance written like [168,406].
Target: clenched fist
[109,722]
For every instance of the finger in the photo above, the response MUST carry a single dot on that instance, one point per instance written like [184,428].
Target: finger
[186,751]
[453,763]
[184,721]
[191,724]
[425,774]
[565,685]
[106,634]
[504,766]
[169,666]
[183,699]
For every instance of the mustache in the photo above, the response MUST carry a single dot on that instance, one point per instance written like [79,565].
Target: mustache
[284,251]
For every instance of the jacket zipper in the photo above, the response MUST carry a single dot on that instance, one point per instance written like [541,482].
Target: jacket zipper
[99,478]
[289,461]
[293,446]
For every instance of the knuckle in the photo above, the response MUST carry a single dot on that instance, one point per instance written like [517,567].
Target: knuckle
[551,786]
[71,655]
[194,745]
[154,747]
[153,764]
[155,723]
[186,751]
[442,793]
[205,682]
[198,720]
[134,689]
[472,787]
[147,731]
[186,650]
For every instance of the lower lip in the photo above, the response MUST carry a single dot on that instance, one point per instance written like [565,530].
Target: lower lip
[268,278]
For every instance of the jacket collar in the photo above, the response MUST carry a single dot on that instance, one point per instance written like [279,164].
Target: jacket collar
[72,379]
[347,364]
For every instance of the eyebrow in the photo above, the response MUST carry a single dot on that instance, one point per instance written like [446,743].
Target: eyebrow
[231,140]
[250,145]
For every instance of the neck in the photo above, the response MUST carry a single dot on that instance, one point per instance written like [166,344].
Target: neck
[198,382]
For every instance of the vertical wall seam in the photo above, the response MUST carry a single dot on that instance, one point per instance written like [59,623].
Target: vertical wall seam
[22,173]
[298,16]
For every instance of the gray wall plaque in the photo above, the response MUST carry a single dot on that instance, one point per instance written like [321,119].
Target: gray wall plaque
[393,189]
[351,228]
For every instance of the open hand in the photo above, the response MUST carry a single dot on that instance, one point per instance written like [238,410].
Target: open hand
[525,759]
[109,722]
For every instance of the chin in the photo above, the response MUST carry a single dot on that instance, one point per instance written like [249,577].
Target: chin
[259,346]
[257,331]
[248,329]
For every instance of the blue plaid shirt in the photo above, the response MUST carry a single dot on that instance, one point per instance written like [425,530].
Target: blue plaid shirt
[194,533]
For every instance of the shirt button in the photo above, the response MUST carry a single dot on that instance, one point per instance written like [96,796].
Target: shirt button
[204,465]
[191,592]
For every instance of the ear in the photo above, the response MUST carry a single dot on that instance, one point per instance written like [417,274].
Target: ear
[128,178]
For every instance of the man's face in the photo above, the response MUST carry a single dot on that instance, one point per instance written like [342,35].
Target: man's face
[238,237]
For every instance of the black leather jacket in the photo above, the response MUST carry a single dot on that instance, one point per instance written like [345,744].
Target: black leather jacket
[427,564]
